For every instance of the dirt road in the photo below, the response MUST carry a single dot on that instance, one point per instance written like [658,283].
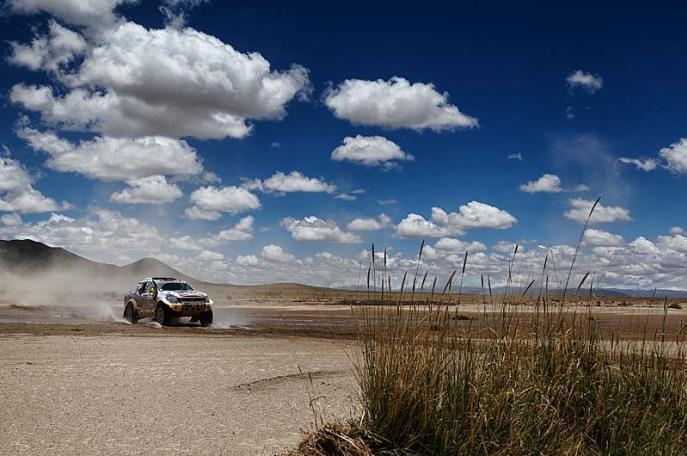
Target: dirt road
[166,393]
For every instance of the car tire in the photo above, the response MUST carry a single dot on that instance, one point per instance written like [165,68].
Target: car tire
[161,314]
[130,313]
[206,318]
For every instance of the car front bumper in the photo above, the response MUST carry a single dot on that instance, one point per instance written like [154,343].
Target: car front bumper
[190,309]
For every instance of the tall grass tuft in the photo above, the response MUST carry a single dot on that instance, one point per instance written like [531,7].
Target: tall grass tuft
[558,385]
[428,388]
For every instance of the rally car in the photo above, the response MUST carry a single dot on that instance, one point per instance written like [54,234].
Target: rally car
[163,298]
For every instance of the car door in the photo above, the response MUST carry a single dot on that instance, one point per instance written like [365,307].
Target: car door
[148,299]
[141,299]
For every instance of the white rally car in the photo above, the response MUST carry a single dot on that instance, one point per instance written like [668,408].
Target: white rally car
[163,298]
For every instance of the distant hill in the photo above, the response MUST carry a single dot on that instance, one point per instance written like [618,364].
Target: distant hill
[646,293]
[607,292]
[150,267]
[24,256]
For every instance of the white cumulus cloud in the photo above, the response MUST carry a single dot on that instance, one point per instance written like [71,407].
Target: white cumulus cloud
[207,255]
[241,231]
[109,236]
[593,237]
[196,213]
[644,246]
[481,215]
[295,181]
[17,193]
[370,151]
[247,260]
[210,201]
[549,183]
[88,13]
[395,103]
[113,159]
[443,224]
[10,219]
[148,190]
[416,226]
[49,52]
[316,229]
[29,200]
[102,235]
[452,245]
[602,214]
[276,254]
[677,242]
[135,81]
[676,156]
[185,242]
[369,224]
[13,175]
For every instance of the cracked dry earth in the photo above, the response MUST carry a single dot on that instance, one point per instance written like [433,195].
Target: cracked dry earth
[167,394]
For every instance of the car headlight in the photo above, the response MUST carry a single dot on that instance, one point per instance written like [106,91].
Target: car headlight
[172,299]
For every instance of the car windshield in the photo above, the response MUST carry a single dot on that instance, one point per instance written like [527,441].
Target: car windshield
[176,286]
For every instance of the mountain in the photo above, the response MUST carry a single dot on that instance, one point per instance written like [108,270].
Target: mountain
[150,267]
[27,260]
[25,255]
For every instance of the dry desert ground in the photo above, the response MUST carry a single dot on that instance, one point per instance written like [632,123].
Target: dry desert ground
[78,380]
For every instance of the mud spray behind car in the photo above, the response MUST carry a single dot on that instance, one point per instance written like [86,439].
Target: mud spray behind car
[163,298]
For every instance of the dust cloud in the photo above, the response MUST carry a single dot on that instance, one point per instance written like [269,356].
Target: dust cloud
[63,293]
[71,294]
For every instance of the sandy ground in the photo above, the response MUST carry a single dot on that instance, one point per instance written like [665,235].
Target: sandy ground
[167,394]
[79,381]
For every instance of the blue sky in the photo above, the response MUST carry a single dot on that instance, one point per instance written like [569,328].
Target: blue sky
[173,148]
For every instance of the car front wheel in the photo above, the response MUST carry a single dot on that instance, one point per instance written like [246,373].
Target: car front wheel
[161,314]
[206,318]
[129,314]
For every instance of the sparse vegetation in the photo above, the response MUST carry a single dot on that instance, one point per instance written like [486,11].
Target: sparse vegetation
[556,385]
[563,389]
[333,440]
